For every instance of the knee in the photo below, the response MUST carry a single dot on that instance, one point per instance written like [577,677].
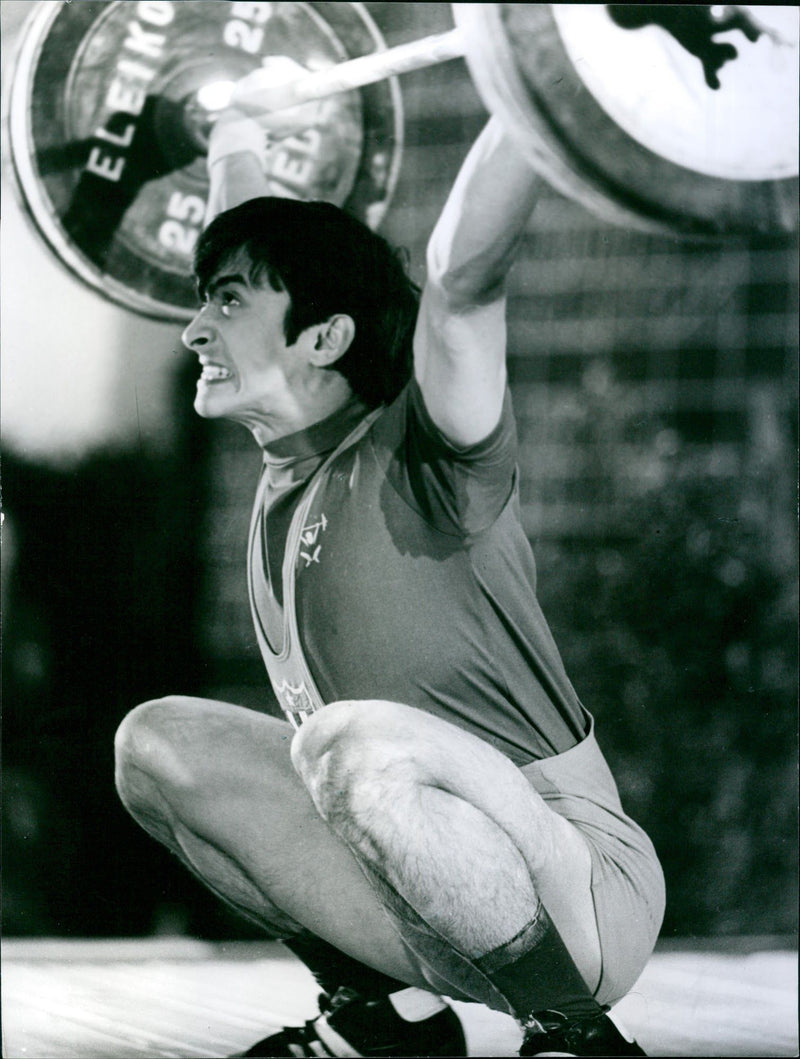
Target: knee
[146,756]
[347,760]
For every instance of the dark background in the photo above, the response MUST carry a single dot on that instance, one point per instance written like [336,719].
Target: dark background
[655,386]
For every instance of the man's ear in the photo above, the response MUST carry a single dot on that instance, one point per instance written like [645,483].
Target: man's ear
[333,339]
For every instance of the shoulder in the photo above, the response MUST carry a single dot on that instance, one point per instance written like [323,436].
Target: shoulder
[408,420]
[456,489]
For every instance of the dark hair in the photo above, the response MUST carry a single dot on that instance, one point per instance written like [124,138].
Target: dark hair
[328,262]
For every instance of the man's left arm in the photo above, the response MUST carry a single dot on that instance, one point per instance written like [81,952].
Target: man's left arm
[242,133]
[460,339]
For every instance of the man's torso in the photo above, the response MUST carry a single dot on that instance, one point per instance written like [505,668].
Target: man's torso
[415,583]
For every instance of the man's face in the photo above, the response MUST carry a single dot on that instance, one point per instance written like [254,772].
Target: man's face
[248,370]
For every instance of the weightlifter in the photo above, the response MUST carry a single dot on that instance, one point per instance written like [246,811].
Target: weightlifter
[437,820]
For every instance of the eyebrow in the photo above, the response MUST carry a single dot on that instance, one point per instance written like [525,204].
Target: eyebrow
[224,281]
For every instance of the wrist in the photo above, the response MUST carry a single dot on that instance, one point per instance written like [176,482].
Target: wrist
[240,136]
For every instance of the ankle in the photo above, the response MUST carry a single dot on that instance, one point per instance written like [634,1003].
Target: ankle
[334,969]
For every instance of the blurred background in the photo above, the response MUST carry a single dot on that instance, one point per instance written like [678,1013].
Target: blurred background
[655,385]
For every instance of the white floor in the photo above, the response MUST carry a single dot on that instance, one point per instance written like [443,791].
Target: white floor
[181,998]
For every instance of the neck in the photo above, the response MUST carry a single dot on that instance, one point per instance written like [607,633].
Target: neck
[317,437]
[302,414]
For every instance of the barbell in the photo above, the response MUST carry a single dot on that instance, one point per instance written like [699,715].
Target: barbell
[673,119]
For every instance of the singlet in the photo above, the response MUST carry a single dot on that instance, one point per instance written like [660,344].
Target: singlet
[413,578]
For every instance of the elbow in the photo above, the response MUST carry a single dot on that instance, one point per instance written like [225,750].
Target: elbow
[458,290]
[466,284]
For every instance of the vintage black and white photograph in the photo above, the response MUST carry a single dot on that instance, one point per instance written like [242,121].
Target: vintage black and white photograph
[399,529]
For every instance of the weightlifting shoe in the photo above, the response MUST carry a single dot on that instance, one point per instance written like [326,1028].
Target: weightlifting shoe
[558,1035]
[351,1025]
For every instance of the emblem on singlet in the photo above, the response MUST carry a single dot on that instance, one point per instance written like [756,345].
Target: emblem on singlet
[309,539]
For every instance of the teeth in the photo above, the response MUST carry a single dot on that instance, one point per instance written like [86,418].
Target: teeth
[214,373]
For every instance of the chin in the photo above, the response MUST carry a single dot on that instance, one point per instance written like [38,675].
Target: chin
[205,407]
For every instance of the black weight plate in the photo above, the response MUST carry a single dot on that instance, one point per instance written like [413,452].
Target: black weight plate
[108,139]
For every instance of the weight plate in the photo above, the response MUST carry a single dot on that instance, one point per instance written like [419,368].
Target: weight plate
[680,119]
[109,113]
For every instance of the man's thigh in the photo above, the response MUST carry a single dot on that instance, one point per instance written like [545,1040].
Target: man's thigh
[447,757]
[226,775]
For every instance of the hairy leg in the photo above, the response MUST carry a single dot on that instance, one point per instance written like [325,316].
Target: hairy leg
[214,783]
[450,825]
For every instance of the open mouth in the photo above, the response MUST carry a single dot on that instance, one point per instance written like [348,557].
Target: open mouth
[214,373]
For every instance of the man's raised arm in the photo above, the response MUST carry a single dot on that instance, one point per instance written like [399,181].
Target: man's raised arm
[241,136]
[460,340]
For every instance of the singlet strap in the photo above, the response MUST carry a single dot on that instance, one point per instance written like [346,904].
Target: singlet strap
[288,669]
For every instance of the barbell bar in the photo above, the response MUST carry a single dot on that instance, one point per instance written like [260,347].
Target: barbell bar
[359,72]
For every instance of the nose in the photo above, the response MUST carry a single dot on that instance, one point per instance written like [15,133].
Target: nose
[198,332]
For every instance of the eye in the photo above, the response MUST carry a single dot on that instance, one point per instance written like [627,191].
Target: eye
[227,300]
